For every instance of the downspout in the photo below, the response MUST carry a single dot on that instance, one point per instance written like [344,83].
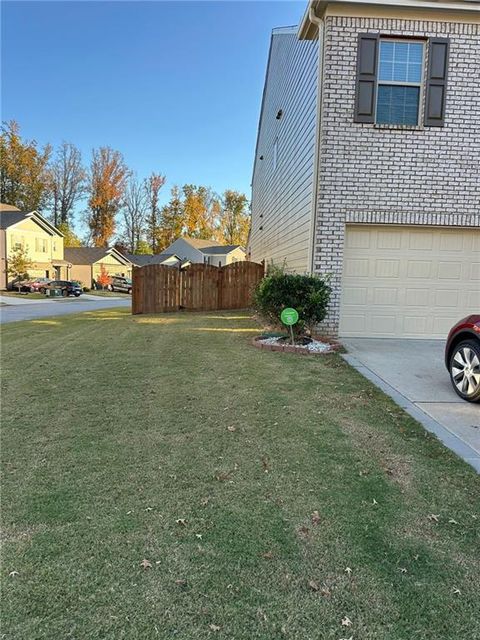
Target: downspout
[314,19]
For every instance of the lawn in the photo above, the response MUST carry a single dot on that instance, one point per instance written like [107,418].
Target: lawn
[24,296]
[108,294]
[267,495]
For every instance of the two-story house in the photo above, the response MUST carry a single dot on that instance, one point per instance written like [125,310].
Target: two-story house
[39,239]
[367,165]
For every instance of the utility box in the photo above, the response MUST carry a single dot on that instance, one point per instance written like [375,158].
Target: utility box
[54,293]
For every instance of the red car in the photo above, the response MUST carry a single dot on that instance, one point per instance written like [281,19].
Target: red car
[462,358]
[38,284]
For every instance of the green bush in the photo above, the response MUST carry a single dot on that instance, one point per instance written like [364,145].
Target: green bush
[309,295]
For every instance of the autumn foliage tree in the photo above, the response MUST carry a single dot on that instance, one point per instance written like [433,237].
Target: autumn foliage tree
[235,218]
[103,279]
[107,180]
[201,211]
[24,178]
[69,237]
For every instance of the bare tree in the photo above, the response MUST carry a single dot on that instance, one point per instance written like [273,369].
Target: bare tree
[68,182]
[153,184]
[134,212]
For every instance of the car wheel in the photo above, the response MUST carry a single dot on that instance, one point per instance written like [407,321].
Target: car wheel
[465,370]
[76,295]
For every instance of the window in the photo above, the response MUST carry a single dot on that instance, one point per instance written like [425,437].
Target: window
[392,77]
[40,245]
[400,77]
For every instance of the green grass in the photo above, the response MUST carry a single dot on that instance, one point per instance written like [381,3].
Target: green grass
[24,296]
[116,427]
[108,294]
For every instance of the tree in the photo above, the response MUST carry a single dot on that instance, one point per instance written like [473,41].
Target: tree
[24,179]
[134,212]
[153,184]
[235,219]
[107,180]
[201,210]
[69,239]
[172,220]
[19,264]
[143,248]
[68,182]
[103,279]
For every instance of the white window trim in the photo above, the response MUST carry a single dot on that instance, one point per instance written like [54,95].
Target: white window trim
[395,83]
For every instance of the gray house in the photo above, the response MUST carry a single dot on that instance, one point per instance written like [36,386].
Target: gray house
[367,164]
[211,252]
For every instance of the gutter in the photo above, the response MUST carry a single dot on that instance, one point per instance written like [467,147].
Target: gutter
[314,19]
[306,31]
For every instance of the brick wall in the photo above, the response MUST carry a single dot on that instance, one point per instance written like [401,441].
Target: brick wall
[398,175]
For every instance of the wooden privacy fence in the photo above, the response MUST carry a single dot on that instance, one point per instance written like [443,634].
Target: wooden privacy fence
[199,287]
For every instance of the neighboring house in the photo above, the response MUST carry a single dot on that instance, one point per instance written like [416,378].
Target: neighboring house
[386,200]
[87,263]
[42,242]
[140,260]
[206,251]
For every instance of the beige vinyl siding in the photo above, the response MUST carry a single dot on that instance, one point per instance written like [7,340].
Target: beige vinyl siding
[283,194]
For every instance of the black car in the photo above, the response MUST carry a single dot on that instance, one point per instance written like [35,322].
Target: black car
[67,287]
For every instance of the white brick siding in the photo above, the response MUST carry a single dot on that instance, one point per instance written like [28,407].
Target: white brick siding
[394,175]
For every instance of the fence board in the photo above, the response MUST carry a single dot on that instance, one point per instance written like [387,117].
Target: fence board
[200,287]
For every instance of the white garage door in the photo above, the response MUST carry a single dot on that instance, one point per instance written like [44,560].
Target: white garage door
[410,282]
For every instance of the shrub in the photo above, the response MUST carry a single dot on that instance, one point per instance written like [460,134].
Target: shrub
[309,295]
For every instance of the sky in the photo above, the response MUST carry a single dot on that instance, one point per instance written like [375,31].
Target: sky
[175,86]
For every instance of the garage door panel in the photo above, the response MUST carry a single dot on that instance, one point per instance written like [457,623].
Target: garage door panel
[408,282]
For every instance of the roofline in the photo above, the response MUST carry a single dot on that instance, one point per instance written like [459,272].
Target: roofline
[39,219]
[261,109]
[237,246]
[308,29]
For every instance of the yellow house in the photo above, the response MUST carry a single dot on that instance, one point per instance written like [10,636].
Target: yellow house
[87,263]
[41,241]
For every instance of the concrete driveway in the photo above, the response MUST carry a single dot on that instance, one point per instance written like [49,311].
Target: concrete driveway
[413,373]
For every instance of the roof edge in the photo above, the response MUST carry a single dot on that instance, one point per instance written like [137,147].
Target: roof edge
[308,29]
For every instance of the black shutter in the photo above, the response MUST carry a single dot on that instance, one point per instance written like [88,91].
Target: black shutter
[366,86]
[436,85]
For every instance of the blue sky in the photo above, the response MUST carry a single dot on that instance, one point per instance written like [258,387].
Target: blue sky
[175,86]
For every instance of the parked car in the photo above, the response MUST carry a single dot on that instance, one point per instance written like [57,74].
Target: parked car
[36,285]
[120,283]
[68,287]
[462,357]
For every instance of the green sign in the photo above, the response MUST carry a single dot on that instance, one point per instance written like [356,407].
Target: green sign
[289,316]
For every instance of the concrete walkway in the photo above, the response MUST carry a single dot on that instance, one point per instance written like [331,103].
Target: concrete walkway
[413,373]
[33,309]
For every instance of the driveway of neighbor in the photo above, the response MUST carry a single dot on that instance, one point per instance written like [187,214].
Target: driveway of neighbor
[33,309]
[413,373]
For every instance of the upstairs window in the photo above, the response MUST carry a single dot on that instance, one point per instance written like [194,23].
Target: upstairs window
[400,77]
[392,76]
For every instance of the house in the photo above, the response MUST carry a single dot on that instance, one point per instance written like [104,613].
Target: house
[88,262]
[367,162]
[41,241]
[140,260]
[206,251]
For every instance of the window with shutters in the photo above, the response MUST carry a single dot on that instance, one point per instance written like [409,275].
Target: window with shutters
[400,79]
[392,77]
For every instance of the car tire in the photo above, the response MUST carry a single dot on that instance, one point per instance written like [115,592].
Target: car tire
[464,370]
[77,295]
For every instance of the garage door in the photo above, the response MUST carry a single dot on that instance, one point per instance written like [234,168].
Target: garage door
[408,281]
